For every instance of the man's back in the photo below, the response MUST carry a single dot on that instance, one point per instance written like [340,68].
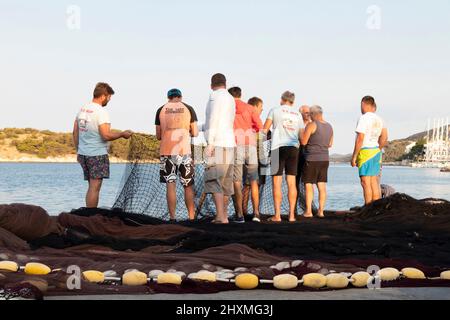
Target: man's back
[220,114]
[175,120]
[246,123]
[287,123]
[371,125]
[89,119]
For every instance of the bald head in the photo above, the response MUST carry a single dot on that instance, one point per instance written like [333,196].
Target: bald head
[306,114]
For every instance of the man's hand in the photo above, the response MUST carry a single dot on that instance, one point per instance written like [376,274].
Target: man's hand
[209,151]
[353,162]
[127,134]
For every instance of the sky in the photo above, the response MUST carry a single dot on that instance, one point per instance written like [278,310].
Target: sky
[330,53]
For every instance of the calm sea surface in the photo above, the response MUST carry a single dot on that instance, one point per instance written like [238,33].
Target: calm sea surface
[60,187]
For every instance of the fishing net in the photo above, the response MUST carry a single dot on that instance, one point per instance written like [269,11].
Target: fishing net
[141,191]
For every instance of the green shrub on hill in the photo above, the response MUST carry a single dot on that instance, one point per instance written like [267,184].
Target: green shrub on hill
[46,144]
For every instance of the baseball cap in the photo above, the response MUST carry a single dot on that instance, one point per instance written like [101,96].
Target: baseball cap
[174,93]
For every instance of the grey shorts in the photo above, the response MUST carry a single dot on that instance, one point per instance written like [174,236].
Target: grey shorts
[219,172]
[246,157]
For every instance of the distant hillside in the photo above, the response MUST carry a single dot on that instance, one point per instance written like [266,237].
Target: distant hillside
[35,145]
[396,150]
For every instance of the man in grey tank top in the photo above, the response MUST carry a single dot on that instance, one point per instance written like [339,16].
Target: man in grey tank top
[317,140]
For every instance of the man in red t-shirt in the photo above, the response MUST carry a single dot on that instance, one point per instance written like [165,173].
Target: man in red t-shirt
[246,124]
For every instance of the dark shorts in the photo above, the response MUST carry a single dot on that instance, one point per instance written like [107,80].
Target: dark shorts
[284,159]
[173,166]
[315,172]
[301,163]
[94,167]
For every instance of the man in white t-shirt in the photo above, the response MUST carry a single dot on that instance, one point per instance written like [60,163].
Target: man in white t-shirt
[287,125]
[91,133]
[371,138]
[219,134]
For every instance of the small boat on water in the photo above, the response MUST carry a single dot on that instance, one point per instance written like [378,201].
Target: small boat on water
[447,169]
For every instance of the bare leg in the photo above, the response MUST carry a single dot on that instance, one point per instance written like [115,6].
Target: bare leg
[226,200]
[376,189]
[238,197]
[367,188]
[245,198]
[219,202]
[309,196]
[93,193]
[189,200]
[322,198]
[255,197]
[172,199]
[292,196]
[277,196]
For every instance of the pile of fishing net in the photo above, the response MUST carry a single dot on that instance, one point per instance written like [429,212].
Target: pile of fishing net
[129,253]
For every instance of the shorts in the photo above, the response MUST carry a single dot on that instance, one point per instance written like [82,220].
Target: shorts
[301,163]
[173,166]
[284,159]
[219,172]
[369,162]
[315,172]
[246,157]
[96,167]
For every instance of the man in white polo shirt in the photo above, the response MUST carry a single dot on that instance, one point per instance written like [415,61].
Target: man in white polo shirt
[91,133]
[219,134]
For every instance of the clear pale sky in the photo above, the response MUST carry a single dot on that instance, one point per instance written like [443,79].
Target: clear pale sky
[321,50]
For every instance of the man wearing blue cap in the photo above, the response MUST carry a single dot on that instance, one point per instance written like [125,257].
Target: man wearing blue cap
[176,123]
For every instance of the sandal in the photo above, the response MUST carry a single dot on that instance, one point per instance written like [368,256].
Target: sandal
[272,219]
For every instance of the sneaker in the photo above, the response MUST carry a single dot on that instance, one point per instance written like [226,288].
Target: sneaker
[256,219]
[239,220]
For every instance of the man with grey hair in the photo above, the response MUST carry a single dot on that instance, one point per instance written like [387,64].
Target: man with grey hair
[306,116]
[286,123]
[317,139]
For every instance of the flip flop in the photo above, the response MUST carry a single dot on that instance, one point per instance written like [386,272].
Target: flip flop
[272,219]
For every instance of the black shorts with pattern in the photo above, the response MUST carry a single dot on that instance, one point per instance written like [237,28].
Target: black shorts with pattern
[94,167]
[174,166]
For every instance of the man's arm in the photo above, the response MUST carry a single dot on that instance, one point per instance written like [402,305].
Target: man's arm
[309,130]
[331,141]
[158,132]
[75,135]
[257,124]
[358,145]
[194,129]
[212,121]
[383,140]
[108,135]
[267,125]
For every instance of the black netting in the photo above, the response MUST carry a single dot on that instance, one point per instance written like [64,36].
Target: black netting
[141,191]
